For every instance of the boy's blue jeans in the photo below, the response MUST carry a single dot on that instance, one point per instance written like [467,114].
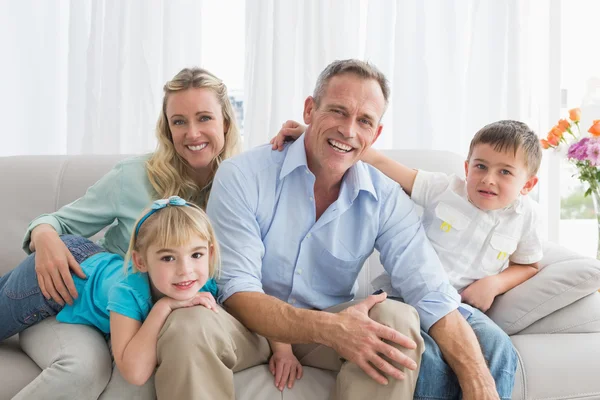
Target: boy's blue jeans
[22,303]
[438,381]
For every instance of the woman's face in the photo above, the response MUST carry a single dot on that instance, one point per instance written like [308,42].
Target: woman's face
[196,121]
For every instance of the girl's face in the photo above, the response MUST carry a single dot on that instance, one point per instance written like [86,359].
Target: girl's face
[197,126]
[176,272]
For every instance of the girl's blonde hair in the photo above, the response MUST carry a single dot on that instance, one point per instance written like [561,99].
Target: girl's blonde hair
[174,226]
[168,172]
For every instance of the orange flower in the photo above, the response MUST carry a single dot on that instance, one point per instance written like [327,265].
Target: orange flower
[575,114]
[544,143]
[556,132]
[595,128]
[563,125]
[553,140]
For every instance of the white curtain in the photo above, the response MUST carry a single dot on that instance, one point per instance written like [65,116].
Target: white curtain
[453,65]
[86,76]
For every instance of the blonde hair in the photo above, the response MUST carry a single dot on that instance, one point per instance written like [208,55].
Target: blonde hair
[174,226]
[168,172]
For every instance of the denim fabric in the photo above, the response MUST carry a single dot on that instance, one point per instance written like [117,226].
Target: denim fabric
[438,381]
[22,303]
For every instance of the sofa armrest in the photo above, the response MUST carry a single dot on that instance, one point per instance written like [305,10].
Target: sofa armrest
[564,278]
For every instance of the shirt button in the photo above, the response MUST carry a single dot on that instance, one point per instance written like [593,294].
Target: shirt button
[311,198]
[307,171]
[292,301]
[299,272]
[308,236]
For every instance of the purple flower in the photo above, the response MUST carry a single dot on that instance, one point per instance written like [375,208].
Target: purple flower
[578,150]
[593,152]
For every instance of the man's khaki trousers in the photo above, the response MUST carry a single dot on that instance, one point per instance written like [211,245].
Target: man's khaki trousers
[199,350]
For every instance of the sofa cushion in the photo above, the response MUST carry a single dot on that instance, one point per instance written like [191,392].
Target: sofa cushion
[564,278]
[582,316]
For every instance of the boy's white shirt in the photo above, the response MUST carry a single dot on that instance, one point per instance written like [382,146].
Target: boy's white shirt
[470,242]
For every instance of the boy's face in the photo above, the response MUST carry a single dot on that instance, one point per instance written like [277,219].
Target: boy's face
[176,272]
[495,179]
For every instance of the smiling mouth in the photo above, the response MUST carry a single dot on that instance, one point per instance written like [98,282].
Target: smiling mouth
[197,147]
[184,285]
[487,193]
[339,147]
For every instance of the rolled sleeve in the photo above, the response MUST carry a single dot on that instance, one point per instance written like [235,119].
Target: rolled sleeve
[408,257]
[238,233]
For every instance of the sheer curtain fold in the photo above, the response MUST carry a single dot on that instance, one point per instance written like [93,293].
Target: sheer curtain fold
[88,74]
[453,65]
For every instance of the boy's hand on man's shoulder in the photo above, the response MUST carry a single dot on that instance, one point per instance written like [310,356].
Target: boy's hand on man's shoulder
[481,294]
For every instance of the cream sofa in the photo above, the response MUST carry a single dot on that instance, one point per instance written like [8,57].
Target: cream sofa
[553,319]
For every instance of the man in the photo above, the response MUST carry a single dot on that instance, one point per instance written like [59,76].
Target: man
[295,228]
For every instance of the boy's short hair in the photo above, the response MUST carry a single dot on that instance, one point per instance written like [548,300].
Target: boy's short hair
[509,135]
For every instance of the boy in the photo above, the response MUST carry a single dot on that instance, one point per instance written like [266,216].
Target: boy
[484,228]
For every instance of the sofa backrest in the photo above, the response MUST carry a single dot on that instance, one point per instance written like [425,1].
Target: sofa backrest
[34,185]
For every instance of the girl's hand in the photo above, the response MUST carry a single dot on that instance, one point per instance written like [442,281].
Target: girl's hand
[204,299]
[290,131]
[53,265]
[285,367]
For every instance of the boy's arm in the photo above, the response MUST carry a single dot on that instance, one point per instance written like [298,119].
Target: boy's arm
[514,275]
[403,175]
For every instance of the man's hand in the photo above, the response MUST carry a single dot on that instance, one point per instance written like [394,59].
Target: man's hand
[481,294]
[360,340]
[53,265]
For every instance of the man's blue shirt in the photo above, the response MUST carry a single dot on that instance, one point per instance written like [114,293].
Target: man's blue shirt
[263,210]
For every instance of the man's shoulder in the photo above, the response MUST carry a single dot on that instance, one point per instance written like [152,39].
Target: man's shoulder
[382,185]
[254,162]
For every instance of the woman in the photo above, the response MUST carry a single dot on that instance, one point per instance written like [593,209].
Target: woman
[196,130]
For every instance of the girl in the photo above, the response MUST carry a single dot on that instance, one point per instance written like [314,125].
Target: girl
[171,262]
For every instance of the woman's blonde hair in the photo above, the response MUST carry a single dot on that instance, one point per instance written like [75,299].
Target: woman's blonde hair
[168,172]
[174,226]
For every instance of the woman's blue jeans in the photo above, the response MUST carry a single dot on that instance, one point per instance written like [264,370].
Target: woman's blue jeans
[438,381]
[22,303]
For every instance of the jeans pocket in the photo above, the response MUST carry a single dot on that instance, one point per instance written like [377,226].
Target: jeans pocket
[35,315]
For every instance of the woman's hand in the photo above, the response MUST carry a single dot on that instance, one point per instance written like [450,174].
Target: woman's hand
[284,366]
[53,265]
[290,131]
[204,299]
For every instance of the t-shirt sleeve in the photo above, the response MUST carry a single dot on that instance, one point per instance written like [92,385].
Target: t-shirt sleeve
[210,286]
[529,249]
[131,297]
[429,185]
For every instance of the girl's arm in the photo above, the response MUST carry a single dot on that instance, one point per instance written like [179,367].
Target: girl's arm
[134,343]
[403,175]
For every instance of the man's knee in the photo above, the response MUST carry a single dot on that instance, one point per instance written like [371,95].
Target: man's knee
[401,317]
[190,328]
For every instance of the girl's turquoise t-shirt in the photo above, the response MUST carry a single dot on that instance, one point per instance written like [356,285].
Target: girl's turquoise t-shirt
[108,288]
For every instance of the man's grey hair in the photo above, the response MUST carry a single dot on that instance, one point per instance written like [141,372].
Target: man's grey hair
[360,68]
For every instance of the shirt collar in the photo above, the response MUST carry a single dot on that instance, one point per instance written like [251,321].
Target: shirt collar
[357,178]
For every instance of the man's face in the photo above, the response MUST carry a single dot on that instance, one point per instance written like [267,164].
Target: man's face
[344,125]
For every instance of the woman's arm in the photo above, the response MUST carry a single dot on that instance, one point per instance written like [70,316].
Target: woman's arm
[134,343]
